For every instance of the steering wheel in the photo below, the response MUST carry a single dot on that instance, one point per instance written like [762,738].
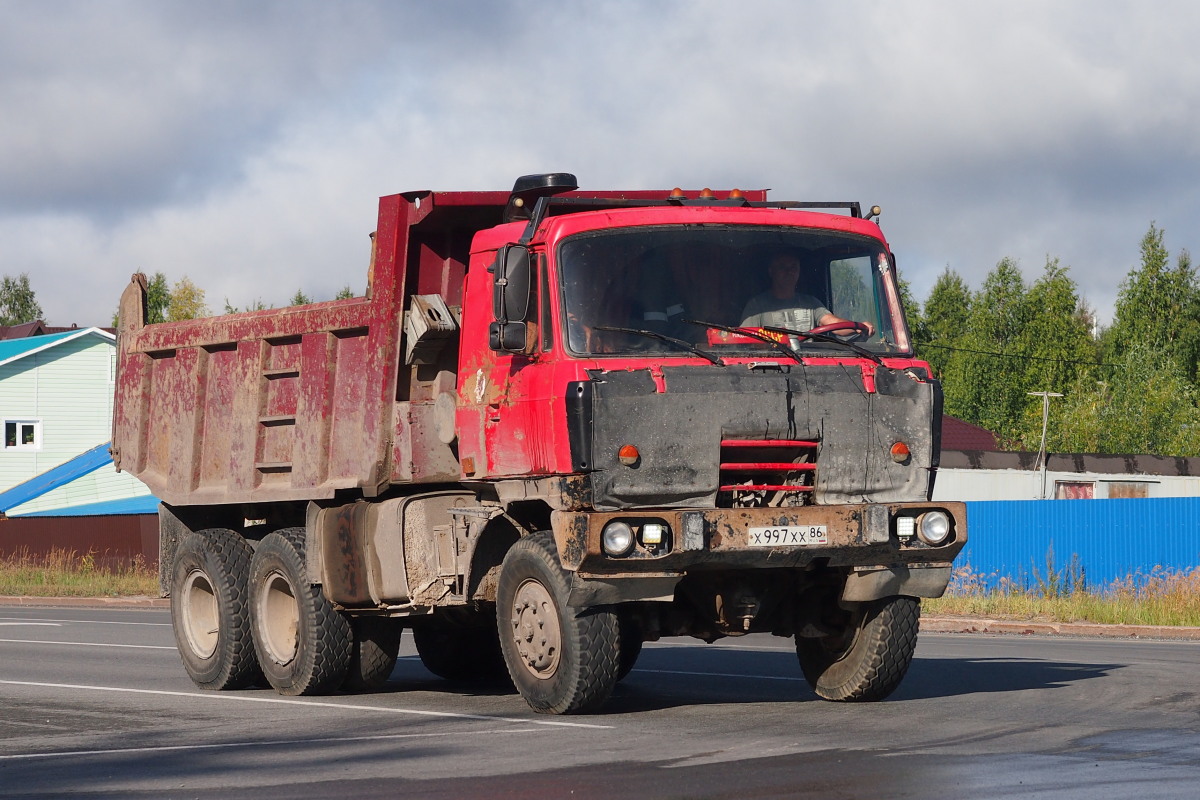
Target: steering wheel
[859,330]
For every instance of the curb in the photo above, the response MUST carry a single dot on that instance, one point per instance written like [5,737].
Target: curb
[928,624]
[1027,628]
[87,602]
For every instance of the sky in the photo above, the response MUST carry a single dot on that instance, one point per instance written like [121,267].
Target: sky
[244,145]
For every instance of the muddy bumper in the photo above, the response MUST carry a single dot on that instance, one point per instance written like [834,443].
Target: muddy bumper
[884,549]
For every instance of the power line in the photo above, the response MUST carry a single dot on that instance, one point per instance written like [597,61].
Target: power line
[1022,357]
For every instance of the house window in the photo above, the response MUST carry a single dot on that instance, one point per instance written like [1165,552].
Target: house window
[22,434]
[1074,490]
[1128,489]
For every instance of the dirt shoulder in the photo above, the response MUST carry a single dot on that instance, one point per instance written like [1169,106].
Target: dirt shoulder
[929,624]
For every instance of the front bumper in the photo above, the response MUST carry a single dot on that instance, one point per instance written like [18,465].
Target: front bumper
[863,538]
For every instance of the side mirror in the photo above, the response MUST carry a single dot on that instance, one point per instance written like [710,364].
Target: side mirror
[512,275]
[510,290]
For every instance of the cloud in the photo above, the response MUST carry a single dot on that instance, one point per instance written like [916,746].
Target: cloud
[246,146]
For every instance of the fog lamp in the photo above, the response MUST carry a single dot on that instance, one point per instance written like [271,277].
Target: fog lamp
[617,538]
[906,527]
[652,533]
[934,527]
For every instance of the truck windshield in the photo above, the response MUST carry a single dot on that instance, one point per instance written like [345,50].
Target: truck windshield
[667,280]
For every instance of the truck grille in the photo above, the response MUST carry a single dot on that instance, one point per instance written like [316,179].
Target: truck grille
[767,472]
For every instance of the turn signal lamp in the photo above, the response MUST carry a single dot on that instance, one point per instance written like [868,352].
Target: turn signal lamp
[628,455]
[900,452]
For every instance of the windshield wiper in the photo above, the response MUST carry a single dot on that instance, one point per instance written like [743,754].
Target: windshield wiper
[663,337]
[780,346]
[825,337]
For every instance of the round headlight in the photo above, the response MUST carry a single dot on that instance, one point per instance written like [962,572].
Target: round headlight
[617,538]
[934,527]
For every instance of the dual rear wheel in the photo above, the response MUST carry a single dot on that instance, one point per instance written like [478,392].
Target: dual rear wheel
[243,614]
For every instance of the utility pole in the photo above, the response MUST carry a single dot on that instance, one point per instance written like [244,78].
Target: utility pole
[1045,421]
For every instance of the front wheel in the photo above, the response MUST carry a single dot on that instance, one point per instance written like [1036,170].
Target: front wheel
[868,656]
[304,645]
[562,661]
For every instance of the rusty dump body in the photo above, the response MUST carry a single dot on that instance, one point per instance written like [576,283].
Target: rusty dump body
[554,366]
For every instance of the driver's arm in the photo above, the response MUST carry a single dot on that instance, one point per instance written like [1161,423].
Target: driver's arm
[830,319]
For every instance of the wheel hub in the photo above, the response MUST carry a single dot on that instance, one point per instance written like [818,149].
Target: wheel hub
[199,614]
[536,630]
[280,615]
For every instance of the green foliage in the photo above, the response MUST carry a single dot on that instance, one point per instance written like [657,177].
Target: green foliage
[299,299]
[344,293]
[158,297]
[944,320]
[186,301]
[18,303]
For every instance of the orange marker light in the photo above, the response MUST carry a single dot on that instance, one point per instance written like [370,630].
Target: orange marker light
[736,194]
[900,452]
[706,193]
[628,455]
[677,192]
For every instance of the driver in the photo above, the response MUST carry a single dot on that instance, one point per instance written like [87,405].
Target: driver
[782,306]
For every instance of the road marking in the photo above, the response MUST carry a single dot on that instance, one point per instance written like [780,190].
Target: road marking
[270,743]
[96,622]
[92,644]
[287,701]
[43,624]
[720,675]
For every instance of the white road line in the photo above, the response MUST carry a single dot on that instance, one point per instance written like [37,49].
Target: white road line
[42,624]
[95,622]
[720,675]
[91,644]
[287,701]
[271,743]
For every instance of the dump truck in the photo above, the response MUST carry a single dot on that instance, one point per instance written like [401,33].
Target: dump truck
[549,431]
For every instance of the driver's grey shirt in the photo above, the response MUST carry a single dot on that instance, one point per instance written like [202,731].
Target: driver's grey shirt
[799,313]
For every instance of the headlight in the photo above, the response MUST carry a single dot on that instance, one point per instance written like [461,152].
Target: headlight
[617,538]
[934,527]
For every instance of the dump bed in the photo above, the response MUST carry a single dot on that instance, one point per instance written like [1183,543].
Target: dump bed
[292,403]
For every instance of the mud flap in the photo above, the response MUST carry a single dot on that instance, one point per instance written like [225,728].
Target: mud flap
[879,582]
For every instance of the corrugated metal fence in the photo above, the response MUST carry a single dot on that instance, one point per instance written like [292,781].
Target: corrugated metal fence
[1029,541]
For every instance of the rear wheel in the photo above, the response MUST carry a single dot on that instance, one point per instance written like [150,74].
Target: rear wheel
[561,660]
[304,645]
[375,644]
[461,647]
[209,609]
[868,656]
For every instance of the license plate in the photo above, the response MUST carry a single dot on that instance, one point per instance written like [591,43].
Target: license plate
[789,536]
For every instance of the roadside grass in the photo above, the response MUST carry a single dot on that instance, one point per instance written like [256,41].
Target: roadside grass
[68,573]
[1160,597]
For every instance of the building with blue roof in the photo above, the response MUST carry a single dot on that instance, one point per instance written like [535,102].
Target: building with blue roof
[56,406]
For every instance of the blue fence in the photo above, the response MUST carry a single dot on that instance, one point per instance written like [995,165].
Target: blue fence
[1107,540]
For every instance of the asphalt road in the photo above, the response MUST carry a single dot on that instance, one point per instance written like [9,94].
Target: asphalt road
[94,703]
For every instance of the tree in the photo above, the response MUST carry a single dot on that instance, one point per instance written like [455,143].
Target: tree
[1157,306]
[158,297]
[944,321]
[18,304]
[978,376]
[1148,406]
[344,293]
[186,301]
[299,299]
